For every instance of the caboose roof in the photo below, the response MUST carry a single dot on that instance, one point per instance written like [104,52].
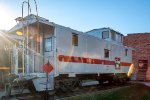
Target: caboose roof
[28,20]
[105,28]
[31,19]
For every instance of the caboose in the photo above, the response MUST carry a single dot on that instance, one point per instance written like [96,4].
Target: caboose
[98,54]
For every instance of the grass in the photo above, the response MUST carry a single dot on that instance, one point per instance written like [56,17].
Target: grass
[135,92]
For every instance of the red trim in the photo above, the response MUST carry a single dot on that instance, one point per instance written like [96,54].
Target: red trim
[63,58]
[125,64]
[107,62]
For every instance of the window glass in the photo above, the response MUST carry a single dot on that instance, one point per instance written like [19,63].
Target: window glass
[113,35]
[106,53]
[121,38]
[74,39]
[126,52]
[105,34]
[48,44]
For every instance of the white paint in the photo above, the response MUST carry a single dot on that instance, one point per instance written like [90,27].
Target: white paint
[90,45]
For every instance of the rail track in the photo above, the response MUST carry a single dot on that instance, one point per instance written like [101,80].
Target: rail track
[58,95]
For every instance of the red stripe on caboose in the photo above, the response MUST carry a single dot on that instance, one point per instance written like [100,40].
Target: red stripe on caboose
[64,58]
[125,64]
[107,62]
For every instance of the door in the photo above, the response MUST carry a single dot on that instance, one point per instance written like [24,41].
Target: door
[49,50]
[142,69]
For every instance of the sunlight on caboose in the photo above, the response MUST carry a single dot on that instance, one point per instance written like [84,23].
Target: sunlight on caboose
[3,36]
[4,68]
[131,70]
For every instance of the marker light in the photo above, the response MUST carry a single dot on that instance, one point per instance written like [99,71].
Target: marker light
[19,33]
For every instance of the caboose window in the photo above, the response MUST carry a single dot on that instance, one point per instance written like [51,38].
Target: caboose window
[113,35]
[126,52]
[106,53]
[48,44]
[105,34]
[121,38]
[74,39]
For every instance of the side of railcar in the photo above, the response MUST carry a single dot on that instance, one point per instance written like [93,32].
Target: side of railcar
[86,56]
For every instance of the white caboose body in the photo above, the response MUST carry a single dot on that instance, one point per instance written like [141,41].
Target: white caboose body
[72,53]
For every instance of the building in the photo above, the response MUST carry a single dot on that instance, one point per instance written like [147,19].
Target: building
[140,42]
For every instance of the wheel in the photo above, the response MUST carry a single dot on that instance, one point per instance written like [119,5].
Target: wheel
[101,82]
[68,85]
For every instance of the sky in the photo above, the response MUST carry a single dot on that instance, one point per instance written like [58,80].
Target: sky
[125,16]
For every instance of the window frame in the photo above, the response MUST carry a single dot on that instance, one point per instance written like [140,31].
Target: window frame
[76,41]
[45,48]
[126,52]
[113,35]
[103,35]
[121,38]
[105,51]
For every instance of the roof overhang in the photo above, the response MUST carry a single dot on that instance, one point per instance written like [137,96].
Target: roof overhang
[29,20]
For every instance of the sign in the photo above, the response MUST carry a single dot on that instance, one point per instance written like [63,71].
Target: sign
[47,68]
[117,63]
